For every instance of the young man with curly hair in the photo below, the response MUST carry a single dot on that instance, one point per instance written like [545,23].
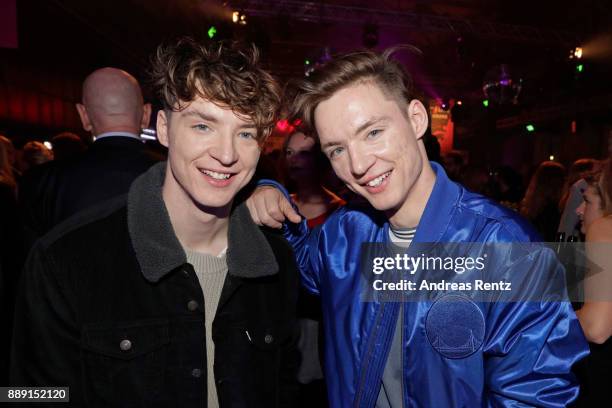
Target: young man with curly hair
[171,296]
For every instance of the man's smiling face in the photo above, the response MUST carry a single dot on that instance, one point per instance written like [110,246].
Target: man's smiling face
[212,153]
[371,142]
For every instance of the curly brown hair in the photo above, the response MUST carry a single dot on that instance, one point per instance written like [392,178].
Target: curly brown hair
[226,74]
[348,69]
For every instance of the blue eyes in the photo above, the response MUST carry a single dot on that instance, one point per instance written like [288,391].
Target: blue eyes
[335,152]
[374,133]
[200,127]
[246,135]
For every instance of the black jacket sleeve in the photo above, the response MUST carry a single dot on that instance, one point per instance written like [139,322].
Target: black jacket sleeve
[46,346]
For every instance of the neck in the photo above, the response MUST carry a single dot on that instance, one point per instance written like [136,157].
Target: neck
[122,128]
[409,214]
[306,192]
[202,229]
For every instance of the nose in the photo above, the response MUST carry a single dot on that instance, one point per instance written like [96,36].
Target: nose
[360,161]
[224,151]
[580,210]
[291,158]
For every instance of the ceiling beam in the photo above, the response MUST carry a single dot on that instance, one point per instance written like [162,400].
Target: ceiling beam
[320,12]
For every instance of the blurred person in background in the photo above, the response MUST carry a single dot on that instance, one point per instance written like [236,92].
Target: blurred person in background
[66,145]
[541,202]
[306,168]
[506,187]
[11,154]
[595,316]
[34,154]
[577,171]
[571,196]
[476,179]
[11,250]
[7,177]
[114,112]
[454,165]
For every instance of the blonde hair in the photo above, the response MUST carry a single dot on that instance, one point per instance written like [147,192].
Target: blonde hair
[348,69]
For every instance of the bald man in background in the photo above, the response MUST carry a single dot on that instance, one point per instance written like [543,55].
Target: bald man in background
[114,112]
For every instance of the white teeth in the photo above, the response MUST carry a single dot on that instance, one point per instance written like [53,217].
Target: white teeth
[214,174]
[378,180]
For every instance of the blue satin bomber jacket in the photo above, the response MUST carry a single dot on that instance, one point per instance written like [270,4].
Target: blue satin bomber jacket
[527,348]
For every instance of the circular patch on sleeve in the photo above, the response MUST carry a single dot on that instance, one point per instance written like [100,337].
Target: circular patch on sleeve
[455,326]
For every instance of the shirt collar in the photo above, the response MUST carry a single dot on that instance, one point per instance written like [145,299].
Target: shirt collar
[159,251]
[115,134]
[440,207]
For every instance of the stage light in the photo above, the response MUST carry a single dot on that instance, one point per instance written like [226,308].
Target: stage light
[459,103]
[48,145]
[283,125]
[307,62]
[551,157]
[501,87]
[530,128]
[579,68]
[485,103]
[211,32]
[576,53]
[238,17]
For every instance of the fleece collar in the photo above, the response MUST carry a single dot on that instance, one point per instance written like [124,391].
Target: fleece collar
[159,251]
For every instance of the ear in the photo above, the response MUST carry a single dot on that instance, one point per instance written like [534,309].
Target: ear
[417,114]
[146,116]
[162,127]
[84,117]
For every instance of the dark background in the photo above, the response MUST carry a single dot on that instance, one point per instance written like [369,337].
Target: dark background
[60,42]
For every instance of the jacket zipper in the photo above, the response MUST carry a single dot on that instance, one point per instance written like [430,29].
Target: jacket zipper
[401,327]
[369,354]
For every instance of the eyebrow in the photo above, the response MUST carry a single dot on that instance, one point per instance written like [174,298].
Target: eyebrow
[212,119]
[370,123]
[199,114]
[360,129]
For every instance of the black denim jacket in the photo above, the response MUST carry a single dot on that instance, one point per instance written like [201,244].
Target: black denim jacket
[109,307]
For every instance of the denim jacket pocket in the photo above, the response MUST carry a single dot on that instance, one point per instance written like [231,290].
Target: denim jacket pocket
[126,361]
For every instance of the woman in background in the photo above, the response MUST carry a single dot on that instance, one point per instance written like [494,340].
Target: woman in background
[595,316]
[571,196]
[307,170]
[541,203]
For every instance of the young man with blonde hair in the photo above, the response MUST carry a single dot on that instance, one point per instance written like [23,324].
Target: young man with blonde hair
[447,348]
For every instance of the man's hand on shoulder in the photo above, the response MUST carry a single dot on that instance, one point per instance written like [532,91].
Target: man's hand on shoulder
[270,208]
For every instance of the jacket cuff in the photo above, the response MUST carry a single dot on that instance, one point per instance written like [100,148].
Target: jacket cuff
[277,185]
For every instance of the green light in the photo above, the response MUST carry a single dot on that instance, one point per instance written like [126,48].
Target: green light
[485,103]
[307,62]
[530,128]
[211,32]
[580,67]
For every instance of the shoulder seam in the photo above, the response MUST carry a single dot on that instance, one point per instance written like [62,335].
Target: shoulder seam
[82,218]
